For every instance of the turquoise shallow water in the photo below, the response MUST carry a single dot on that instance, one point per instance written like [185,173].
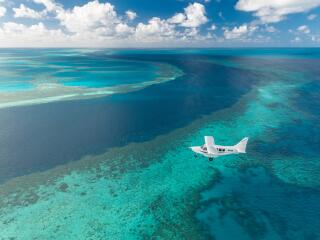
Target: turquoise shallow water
[71,68]
[12,87]
[157,189]
[46,75]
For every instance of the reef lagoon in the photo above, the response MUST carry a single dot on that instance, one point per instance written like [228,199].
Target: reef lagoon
[94,143]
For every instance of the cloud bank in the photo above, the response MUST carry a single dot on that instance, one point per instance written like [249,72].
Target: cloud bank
[100,25]
[46,23]
[271,11]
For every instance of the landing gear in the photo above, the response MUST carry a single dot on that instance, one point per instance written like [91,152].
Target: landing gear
[210,159]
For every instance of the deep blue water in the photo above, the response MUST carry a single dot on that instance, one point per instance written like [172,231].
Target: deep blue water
[65,131]
[302,53]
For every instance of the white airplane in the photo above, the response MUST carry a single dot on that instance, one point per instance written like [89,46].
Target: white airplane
[210,150]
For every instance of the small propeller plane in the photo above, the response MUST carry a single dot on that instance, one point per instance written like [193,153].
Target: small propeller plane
[210,150]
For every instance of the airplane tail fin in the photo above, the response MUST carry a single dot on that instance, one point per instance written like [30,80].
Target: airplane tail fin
[242,145]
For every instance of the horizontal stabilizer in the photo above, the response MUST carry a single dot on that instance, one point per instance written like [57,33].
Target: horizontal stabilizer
[242,145]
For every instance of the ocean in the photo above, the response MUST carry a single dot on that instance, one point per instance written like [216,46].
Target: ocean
[94,143]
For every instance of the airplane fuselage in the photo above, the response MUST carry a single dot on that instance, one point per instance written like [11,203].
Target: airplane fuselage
[221,151]
[211,150]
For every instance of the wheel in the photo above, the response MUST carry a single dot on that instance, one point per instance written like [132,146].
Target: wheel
[210,159]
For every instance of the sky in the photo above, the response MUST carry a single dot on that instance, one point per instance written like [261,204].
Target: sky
[159,23]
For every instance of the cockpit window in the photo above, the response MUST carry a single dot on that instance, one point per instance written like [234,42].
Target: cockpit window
[204,148]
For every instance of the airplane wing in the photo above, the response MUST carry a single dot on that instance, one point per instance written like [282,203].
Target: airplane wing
[209,140]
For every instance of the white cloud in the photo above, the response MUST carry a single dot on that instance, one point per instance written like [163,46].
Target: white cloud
[91,24]
[195,15]
[12,27]
[160,29]
[236,32]
[102,19]
[315,38]
[25,12]
[240,32]
[122,29]
[156,30]
[98,24]
[312,17]
[304,29]
[193,35]
[296,39]
[212,27]
[14,34]
[178,18]
[271,29]
[275,10]
[3,11]
[90,17]
[131,15]
[50,5]
[191,32]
